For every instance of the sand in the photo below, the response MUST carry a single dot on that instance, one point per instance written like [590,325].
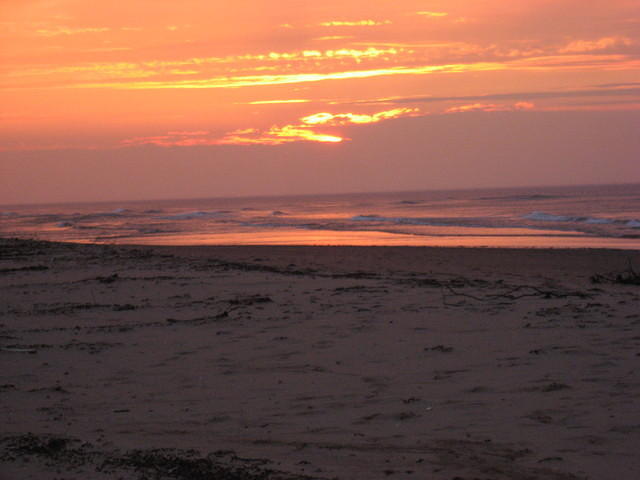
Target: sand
[317,362]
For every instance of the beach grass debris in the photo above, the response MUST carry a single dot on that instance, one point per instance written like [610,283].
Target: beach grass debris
[58,451]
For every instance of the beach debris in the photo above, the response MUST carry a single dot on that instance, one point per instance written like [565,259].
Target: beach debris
[177,464]
[510,294]
[626,277]
[108,279]
[18,350]
[54,389]
[550,459]
[405,415]
[122,308]
[440,348]
[199,320]
[250,300]
[555,386]
[32,268]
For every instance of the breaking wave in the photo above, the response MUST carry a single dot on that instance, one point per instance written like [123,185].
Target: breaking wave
[549,217]
[431,222]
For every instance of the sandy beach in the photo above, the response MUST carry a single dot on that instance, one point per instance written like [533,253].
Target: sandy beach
[317,363]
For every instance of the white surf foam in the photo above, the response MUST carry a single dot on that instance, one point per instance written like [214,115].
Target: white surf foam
[548,217]
[633,223]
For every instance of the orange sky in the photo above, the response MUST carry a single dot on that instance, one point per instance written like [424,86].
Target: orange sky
[198,77]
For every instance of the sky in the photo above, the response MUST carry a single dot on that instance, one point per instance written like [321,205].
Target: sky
[154,99]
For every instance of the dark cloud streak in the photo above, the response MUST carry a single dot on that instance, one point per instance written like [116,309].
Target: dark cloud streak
[604,91]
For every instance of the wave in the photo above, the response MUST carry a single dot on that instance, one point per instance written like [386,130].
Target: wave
[430,222]
[549,217]
[304,226]
[153,231]
[523,197]
[89,217]
[586,225]
[196,214]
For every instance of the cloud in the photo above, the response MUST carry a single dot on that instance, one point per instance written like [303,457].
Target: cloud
[315,65]
[475,107]
[176,71]
[269,102]
[304,130]
[190,133]
[54,32]
[604,43]
[325,118]
[276,136]
[200,65]
[356,23]
[524,105]
[294,78]
[171,139]
[618,85]
[624,89]
[308,64]
[490,107]
[433,14]
[334,37]
[577,62]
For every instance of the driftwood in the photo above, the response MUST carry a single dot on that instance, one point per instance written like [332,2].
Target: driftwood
[626,277]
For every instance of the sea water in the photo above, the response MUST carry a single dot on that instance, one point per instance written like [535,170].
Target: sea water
[562,217]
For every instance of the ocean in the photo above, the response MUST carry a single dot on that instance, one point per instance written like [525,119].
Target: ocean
[556,217]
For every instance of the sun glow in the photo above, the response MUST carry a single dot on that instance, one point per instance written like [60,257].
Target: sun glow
[325,118]
[304,130]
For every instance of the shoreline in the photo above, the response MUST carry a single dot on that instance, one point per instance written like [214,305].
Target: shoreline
[320,362]
[6,238]
[372,239]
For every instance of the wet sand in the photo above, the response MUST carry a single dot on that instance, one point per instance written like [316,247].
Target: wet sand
[317,362]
